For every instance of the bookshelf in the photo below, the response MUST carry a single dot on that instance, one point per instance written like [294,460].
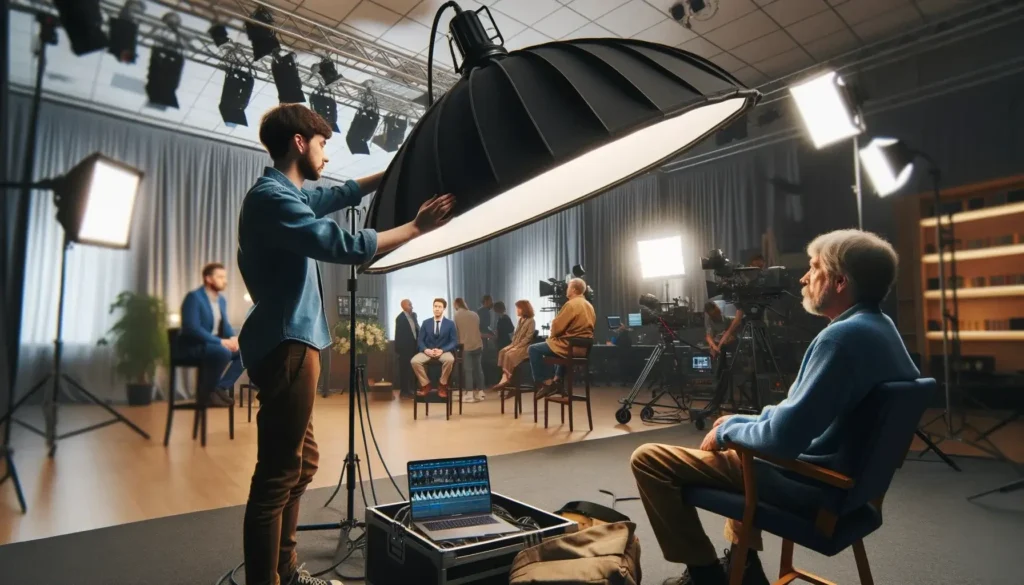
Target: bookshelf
[989,230]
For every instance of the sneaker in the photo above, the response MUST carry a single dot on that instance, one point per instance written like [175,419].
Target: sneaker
[752,575]
[480,396]
[468,397]
[219,398]
[302,577]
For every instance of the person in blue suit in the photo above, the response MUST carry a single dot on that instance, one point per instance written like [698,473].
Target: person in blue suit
[437,340]
[207,334]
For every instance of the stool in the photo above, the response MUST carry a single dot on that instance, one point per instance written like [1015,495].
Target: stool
[516,388]
[570,364]
[454,383]
[241,396]
[197,406]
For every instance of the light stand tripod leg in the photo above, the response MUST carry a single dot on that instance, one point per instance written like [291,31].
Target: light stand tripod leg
[11,472]
[1004,489]
[118,417]
[930,446]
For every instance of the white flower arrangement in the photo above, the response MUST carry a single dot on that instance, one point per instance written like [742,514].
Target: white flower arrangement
[370,337]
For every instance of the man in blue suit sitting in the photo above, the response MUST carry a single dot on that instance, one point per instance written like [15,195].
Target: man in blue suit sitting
[437,340]
[207,334]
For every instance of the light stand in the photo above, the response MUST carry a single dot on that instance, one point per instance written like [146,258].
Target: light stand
[47,36]
[57,376]
[889,163]
[348,523]
[857,191]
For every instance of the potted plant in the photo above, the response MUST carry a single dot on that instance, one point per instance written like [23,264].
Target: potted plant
[139,339]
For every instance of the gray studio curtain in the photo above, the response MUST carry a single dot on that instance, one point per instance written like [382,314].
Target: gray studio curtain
[186,216]
[509,267]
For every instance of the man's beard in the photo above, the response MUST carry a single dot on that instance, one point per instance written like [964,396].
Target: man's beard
[815,306]
[308,171]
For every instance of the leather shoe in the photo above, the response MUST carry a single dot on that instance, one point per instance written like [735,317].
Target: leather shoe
[442,392]
[423,391]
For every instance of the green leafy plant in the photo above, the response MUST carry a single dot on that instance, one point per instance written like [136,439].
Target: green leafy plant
[139,337]
[370,336]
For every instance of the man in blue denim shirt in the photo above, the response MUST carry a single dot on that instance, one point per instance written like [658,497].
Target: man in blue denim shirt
[283,231]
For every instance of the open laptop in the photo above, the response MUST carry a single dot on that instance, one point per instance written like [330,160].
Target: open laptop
[451,499]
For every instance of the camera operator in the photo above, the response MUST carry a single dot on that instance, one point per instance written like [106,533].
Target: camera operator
[718,331]
[850,273]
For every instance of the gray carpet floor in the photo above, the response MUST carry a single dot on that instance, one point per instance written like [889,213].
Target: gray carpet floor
[931,536]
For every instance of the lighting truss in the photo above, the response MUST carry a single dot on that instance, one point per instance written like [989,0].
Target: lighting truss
[198,47]
[397,73]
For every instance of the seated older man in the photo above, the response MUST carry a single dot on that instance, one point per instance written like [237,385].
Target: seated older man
[575,319]
[850,273]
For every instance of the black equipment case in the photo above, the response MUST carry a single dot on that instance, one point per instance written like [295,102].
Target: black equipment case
[396,555]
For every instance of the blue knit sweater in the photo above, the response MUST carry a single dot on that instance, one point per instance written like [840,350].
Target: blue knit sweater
[857,351]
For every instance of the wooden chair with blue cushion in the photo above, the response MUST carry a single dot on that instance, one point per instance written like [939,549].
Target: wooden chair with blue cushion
[848,508]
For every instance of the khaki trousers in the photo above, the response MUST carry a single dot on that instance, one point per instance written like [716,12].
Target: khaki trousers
[661,471]
[419,367]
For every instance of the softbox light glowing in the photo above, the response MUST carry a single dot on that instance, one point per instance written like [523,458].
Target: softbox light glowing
[96,200]
[825,108]
[661,258]
[524,135]
[888,164]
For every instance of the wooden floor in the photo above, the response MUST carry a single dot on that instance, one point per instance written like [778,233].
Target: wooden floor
[113,476]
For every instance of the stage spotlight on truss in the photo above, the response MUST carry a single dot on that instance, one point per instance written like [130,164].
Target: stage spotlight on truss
[888,163]
[264,40]
[661,258]
[323,103]
[828,109]
[328,71]
[165,65]
[524,135]
[219,33]
[392,133]
[286,79]
[124,32]
[364,124]
[234,98]
[84,24]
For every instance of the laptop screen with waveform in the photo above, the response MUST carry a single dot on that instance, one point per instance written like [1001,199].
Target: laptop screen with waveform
[449,487]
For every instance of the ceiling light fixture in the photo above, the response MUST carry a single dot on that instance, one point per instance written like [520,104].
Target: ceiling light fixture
[392,133]
[328,72]
[286,79]
[323,103]
[234,98]
[164,75]
[84,24]
[264,39]
[524,135]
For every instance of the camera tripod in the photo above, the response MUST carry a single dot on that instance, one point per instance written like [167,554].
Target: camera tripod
[755,334]
[660,385]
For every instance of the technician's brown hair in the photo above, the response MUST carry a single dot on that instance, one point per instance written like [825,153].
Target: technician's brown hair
[443,302]
[209,269]
[527,309]
[459,303]
[283,122]
[499,307]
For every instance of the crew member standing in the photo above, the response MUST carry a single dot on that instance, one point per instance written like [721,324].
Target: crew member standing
[283,230]
[406,329]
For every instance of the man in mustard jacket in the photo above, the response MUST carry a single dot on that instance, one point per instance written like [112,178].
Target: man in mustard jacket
[575,319]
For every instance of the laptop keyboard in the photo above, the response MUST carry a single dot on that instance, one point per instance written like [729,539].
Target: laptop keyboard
[459,523]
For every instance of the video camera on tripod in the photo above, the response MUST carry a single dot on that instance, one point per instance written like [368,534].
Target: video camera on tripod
[745,286]
[672,316]
[558,289]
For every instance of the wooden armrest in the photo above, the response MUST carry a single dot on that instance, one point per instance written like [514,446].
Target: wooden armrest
[805,469]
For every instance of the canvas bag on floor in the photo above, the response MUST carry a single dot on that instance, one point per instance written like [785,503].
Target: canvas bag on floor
[603,554]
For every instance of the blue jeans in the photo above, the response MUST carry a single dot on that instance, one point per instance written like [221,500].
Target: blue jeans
[473,370]
[539,351]
[221,366]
